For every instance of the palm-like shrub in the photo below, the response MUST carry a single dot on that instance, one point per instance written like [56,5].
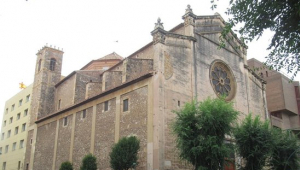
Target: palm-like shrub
[200,129]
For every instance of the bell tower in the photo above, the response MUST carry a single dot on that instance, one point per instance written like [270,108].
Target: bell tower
[47,74]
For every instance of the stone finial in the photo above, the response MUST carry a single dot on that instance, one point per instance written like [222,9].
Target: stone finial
[217,13]
[189,9]
[159,24]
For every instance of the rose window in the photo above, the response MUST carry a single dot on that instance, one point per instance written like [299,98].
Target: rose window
[222,80]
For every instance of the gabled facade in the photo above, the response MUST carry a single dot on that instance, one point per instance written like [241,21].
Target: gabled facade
[91,109]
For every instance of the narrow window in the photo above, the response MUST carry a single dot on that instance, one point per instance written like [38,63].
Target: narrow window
[267,74]
[83,114]
[8,133]
[40,63]
[21,144]
[4,123]
[262,75]
[6,148]
[125,105]
[65,122]
[23,127]
[11,120]
[25,112]
[19,165]
[20,102]
[59,102]
[16,130]
[14,146]
[0,150]
[2,136]
[27,166]
[178,103]
[12,107]
[6,111]
[52,64]
[18,116]
[27,98]
[31,141]
[4,166]
[106,106]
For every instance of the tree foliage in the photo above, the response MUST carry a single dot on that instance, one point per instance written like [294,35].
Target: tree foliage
[66,166]
[285,151]
[89,163]
[280,16]
[124,153]
[200,129]
[254,142]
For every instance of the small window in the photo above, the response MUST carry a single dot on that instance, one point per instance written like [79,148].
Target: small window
[20,102]
[59,103]
[8,133]
[106,106]
[178,103]
[262,75]
[65,121]
[27,166]
[27,98]
[0,150]
[31,141]
[19,165]
[18,116]
[21,143]
[267,74]
[14,146]
[16,130]
[4,166]
[52,64]
[23,127]
[6,148]
[125,105]
[2,136]
[83,114]
[4,123]
[25,112]
[6,111]
[11,120]
[12,107]
[40,63]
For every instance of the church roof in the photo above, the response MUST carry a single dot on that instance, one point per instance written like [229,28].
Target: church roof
[111,56]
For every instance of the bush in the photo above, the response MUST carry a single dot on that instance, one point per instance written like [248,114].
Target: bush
[254,142]
[200,130]
[284,152]
[89,163]
[124,153]
[66,166]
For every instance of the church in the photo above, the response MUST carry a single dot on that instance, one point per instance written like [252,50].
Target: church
[112,97]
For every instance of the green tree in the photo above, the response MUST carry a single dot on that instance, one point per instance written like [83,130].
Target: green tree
[200,129]
[89,163]
[124,153]
[285,151]
[280,16]
[66,166]
[254,142]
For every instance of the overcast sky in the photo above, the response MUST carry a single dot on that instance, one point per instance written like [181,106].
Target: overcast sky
[86,30]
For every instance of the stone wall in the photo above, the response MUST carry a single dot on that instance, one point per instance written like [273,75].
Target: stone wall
[104,133]
[63,141]
[112,79]
[92,89]
[65,93]
[28,148]
[138,67]
[134,121]
[43,157]
[82,137]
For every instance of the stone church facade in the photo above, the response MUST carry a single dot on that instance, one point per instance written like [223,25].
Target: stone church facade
[109,98]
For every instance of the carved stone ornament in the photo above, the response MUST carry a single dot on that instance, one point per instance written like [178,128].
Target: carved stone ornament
[159,38]
[189,21]
[189,9]
[159,24]
[222,80]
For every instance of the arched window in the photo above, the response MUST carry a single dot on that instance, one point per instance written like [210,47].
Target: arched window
[40,63]
[52,64]
[267,73]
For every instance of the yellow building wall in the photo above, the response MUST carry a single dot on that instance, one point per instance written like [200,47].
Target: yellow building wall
[14,159]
